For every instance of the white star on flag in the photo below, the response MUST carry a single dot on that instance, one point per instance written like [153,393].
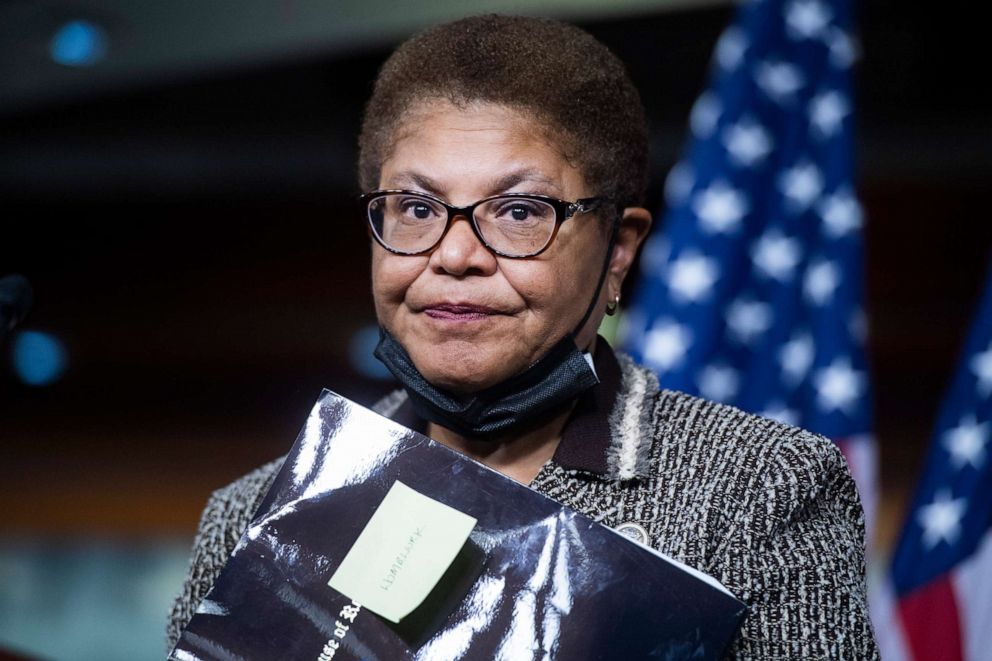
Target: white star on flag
[966,442]
[941,519]
[747,142]
[748,319]
[981,366]
[841,214]
[827,111]
[843,48]
[691,277]
[780,412]
[705,114]
[666,344]
[838,387]
[720,208]
[822,278]
[779,80]
[776,255]
[730,48]
[796,357]
[806,19]
[801,185]
[719,383]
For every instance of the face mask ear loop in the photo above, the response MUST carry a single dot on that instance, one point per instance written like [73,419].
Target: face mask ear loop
[614,232]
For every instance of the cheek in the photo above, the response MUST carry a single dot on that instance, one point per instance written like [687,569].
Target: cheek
[541,284]
[563,284]
[392,276]
[567,268]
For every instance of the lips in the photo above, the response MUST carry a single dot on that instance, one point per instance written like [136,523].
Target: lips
[459,311]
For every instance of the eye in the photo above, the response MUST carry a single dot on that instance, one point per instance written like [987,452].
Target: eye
[417,208]
[522,210]
[519,212]
[420,210]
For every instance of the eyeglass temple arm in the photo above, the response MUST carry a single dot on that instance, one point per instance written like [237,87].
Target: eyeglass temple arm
[585,205]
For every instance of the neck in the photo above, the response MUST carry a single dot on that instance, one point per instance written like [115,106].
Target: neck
[519,457]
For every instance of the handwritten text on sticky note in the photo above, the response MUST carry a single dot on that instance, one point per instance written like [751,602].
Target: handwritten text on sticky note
[402,553]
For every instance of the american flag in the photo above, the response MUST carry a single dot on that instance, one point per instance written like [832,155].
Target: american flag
[942,568]
[751,291]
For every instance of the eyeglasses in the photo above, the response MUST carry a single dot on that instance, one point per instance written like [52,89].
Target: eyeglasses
[411,223]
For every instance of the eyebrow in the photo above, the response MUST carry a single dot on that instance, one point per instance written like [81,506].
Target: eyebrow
[502,184]
[416,180]
[508,182]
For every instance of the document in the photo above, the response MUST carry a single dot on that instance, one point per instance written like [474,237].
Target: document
[377,543]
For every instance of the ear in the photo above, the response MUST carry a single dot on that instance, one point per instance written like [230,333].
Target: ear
[634,226]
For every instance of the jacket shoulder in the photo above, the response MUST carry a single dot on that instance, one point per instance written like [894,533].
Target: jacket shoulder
[753,457]
[649,423]
[786,531]
[225,517]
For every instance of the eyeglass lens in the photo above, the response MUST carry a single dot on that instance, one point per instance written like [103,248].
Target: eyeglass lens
[510,225]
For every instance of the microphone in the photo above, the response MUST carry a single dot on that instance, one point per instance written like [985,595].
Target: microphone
[15,300]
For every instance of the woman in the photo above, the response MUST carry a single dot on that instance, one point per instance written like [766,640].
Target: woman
[505,160]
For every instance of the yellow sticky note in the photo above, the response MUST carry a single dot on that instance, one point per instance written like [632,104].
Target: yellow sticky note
[402,553]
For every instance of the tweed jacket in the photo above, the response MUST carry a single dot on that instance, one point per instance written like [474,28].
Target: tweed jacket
[769,510]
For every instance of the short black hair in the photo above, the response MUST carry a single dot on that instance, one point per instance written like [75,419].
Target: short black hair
[561,75]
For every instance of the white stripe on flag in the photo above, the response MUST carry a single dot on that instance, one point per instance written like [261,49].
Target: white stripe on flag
[972,581]
[884,616]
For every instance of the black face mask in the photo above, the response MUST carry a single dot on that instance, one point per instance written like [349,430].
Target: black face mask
[557,378]
[560,376]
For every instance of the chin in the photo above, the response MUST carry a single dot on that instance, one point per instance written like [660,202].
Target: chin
[464,374]
[458,382]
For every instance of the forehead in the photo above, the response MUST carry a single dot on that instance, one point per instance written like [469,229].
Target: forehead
[477,145]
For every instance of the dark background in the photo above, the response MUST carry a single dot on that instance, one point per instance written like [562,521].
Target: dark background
[192,240]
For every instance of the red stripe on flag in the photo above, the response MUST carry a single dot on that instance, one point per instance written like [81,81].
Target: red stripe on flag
[930,620]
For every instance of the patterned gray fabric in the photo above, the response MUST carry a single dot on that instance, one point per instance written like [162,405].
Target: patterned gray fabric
[769,510]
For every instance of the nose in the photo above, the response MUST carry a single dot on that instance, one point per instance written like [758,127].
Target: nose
[461,252]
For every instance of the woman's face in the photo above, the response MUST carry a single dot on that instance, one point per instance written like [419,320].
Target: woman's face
[468,318]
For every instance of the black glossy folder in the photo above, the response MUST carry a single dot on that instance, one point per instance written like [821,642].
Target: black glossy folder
[535,580]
